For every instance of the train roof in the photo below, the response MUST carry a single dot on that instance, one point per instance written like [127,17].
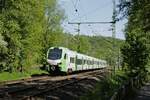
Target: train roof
[64,48]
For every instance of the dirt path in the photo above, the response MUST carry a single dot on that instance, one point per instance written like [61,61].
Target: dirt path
[143,93]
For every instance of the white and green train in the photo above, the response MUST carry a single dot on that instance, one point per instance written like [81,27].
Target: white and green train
[65,60]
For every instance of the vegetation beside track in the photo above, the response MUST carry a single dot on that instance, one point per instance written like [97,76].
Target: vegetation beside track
[106,87]
[7,76]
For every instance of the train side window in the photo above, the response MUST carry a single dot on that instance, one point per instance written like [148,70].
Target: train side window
[72,60]
[90,62]
[96,62]
[84,61]
[79,61]
[65,56]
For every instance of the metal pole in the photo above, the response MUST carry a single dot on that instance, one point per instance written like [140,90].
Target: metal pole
[114,33]
[78,30]
[78,47]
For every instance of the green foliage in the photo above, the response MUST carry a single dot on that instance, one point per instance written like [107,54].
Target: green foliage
[3,44]
[106,87]
[136,49]
[6,76]
[138,12]
[135,52]
[26,27]
[102,47]
[3,51]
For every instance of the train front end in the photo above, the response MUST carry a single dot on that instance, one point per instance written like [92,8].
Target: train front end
[55,59]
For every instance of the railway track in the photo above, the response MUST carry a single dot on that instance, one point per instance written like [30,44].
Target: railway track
[31,90]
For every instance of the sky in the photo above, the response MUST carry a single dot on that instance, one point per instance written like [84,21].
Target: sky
[90,11]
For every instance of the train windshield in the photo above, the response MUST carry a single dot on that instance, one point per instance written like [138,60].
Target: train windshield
[55,54]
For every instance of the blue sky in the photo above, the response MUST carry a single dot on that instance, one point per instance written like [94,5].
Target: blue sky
[87,11]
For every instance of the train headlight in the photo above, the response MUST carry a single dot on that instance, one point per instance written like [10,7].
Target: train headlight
[53,68]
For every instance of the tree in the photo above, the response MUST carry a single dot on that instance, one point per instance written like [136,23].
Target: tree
[137,12]
[135,52]
[136,49]
[3,52]
[29,27]
[53,32]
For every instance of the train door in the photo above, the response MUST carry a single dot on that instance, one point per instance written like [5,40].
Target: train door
[71,65]
[66,61]
[88,65]
[82,63]
[71,62]
[76,63]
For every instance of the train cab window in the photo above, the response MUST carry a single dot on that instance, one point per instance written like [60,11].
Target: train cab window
[55,54]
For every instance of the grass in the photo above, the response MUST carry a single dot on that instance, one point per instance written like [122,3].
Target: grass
[36,71]
[6,76]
